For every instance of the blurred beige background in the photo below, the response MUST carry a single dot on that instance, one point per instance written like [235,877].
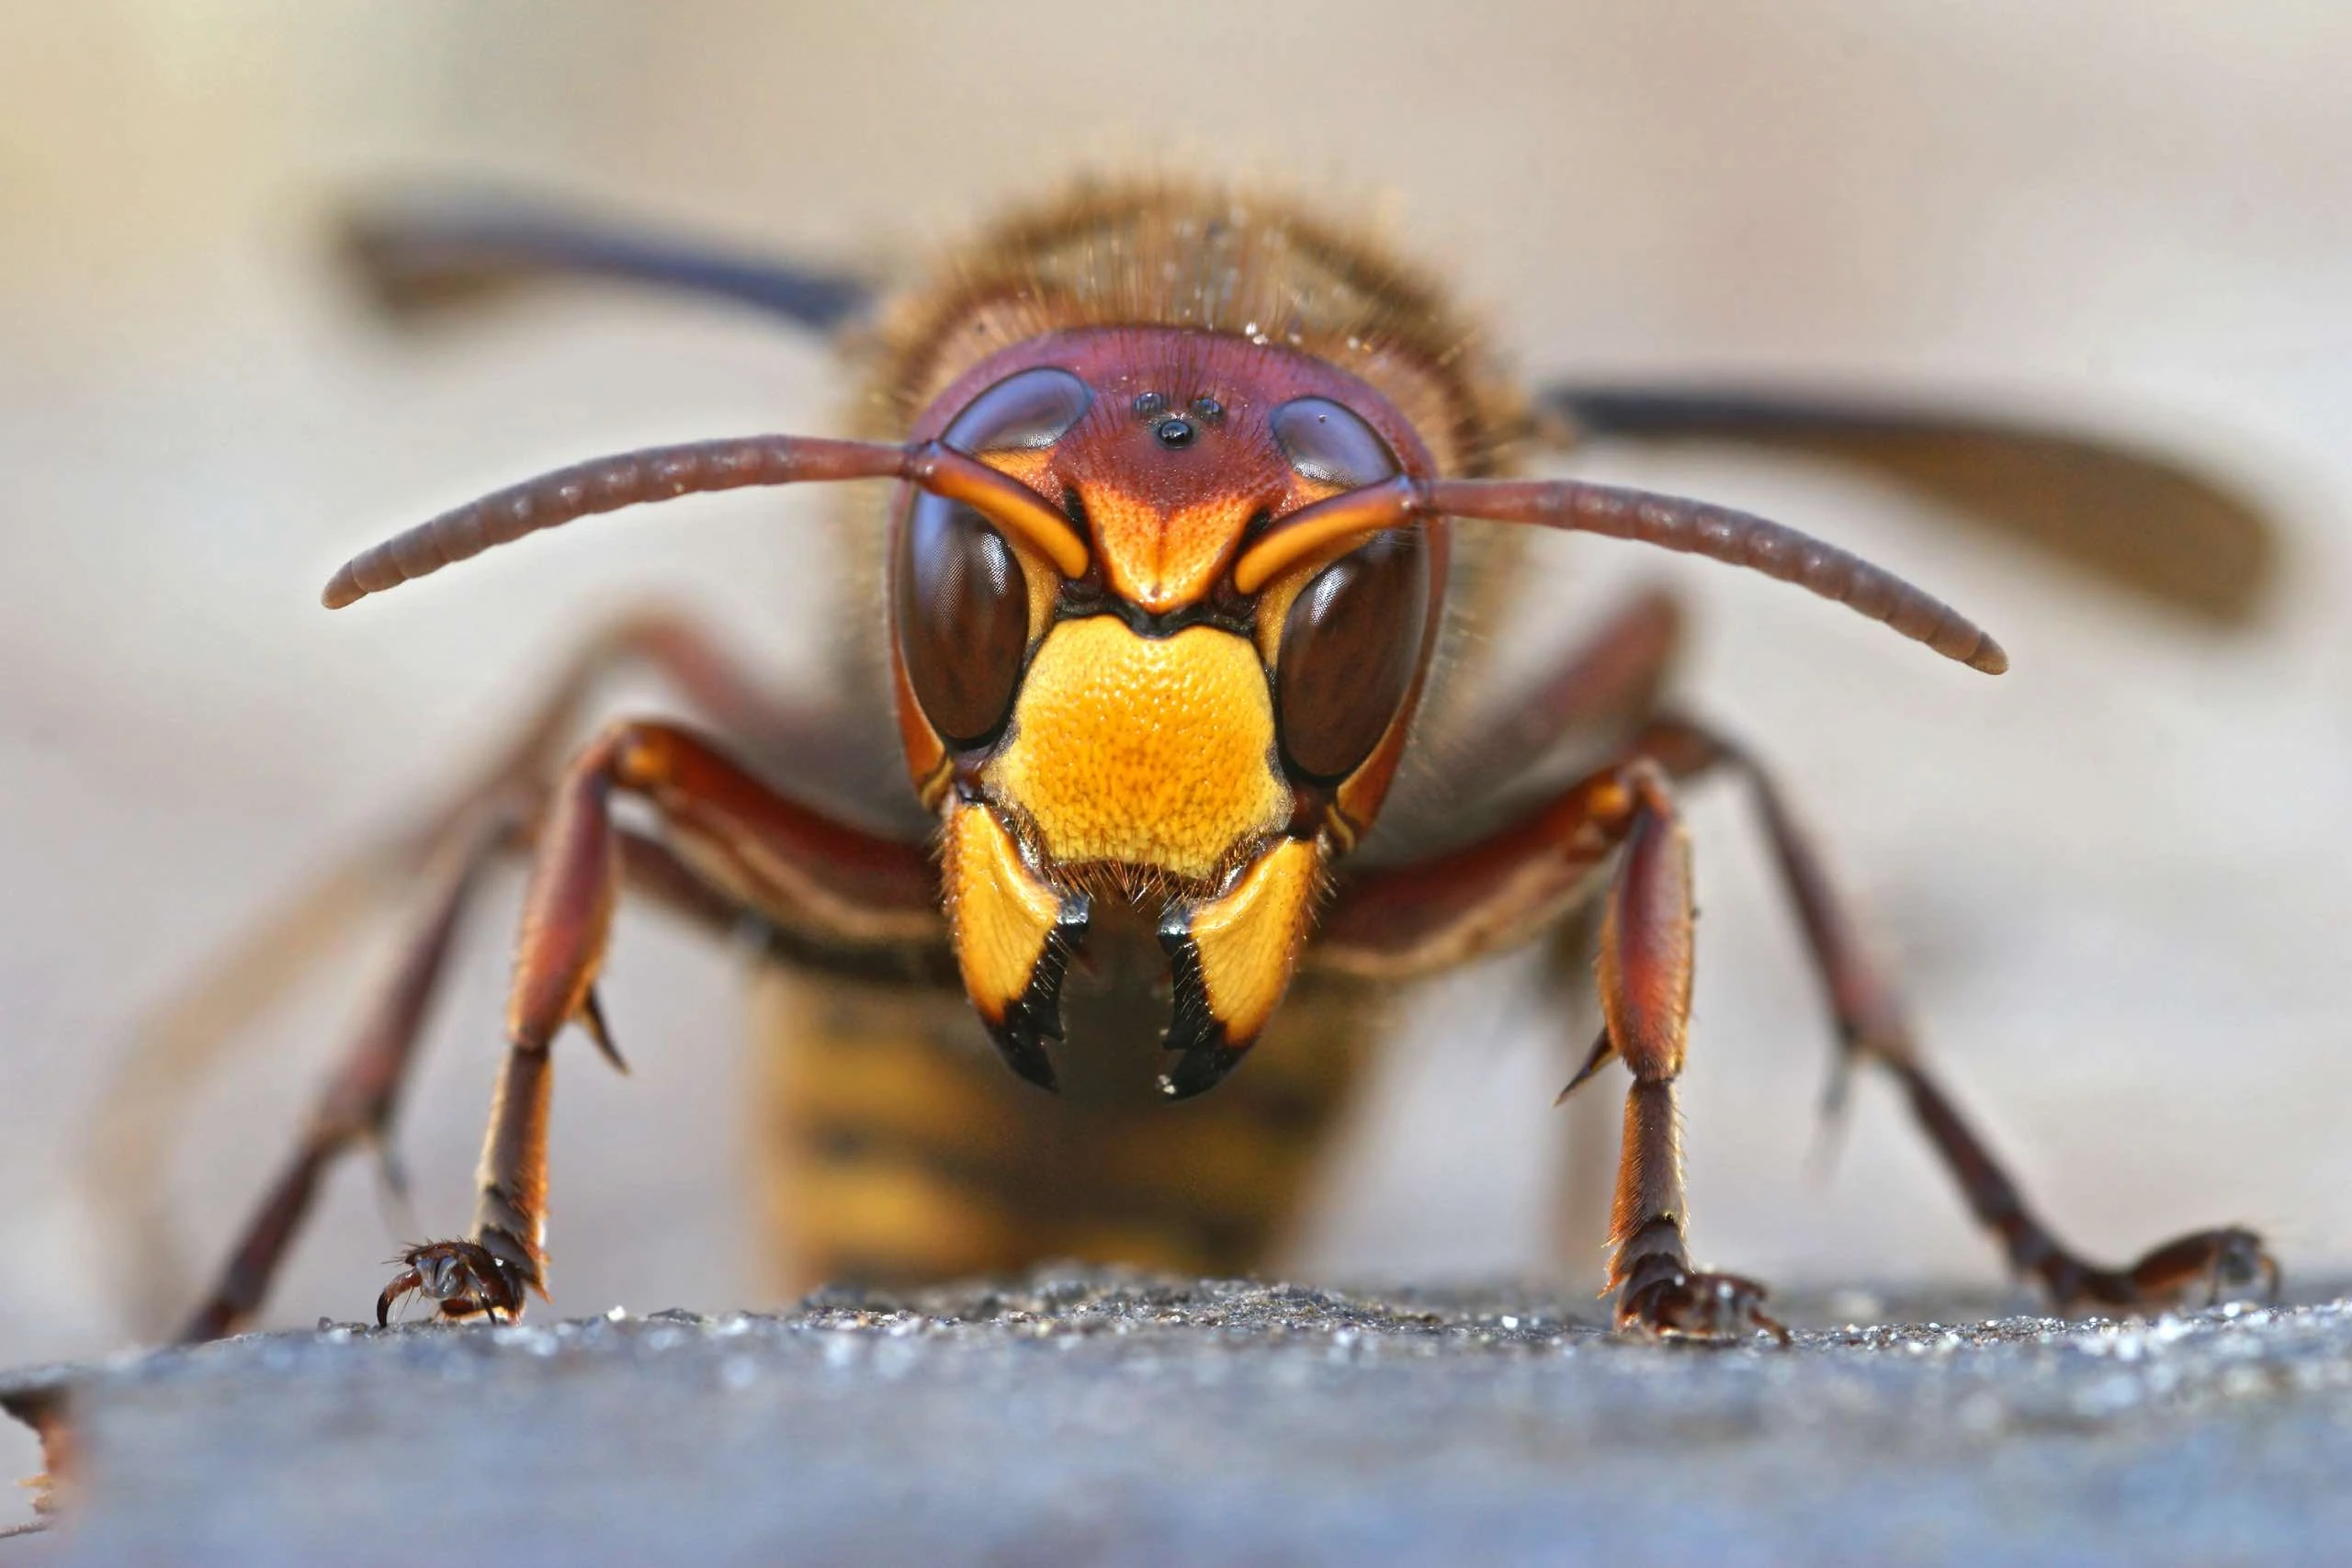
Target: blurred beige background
[2116,878]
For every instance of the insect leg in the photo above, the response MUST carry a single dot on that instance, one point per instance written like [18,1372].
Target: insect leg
[1398,921]
[1594,698]
[2202,1267]
[361,1100]
[1416,918]
[1646,926]
[814,879]
[1581,710]
[174,1050]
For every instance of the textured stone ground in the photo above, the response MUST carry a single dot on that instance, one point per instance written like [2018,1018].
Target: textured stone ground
[1109,1419]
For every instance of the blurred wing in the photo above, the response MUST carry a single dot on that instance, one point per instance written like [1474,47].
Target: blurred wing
[417,254]
[2133,517]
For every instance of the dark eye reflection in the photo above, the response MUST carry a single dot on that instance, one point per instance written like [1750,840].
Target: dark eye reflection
[1330,443]
[1026,410]
[962,606]
[1351,645]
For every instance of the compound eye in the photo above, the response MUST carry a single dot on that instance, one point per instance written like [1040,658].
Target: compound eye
[1330,443]
[1026,412]
[1351,645]
[962,605]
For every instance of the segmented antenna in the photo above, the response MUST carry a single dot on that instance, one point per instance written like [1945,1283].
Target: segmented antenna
[1329,528]
[665,473]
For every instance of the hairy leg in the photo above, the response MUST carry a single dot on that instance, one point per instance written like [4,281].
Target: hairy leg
[358,1108]
[1619,823]
[1873,1025]
[1594,697]
[1419,918]
[822,885]
[435,861]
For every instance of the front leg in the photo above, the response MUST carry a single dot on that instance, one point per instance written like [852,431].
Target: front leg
[814,880]
[1413,918]
[1646,926]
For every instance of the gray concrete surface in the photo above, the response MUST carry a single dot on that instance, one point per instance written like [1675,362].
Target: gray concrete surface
[1122,1420]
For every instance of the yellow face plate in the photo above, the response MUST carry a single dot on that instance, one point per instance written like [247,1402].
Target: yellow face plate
[1149,752]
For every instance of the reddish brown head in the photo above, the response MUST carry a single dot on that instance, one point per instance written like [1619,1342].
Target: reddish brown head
[1144,728]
